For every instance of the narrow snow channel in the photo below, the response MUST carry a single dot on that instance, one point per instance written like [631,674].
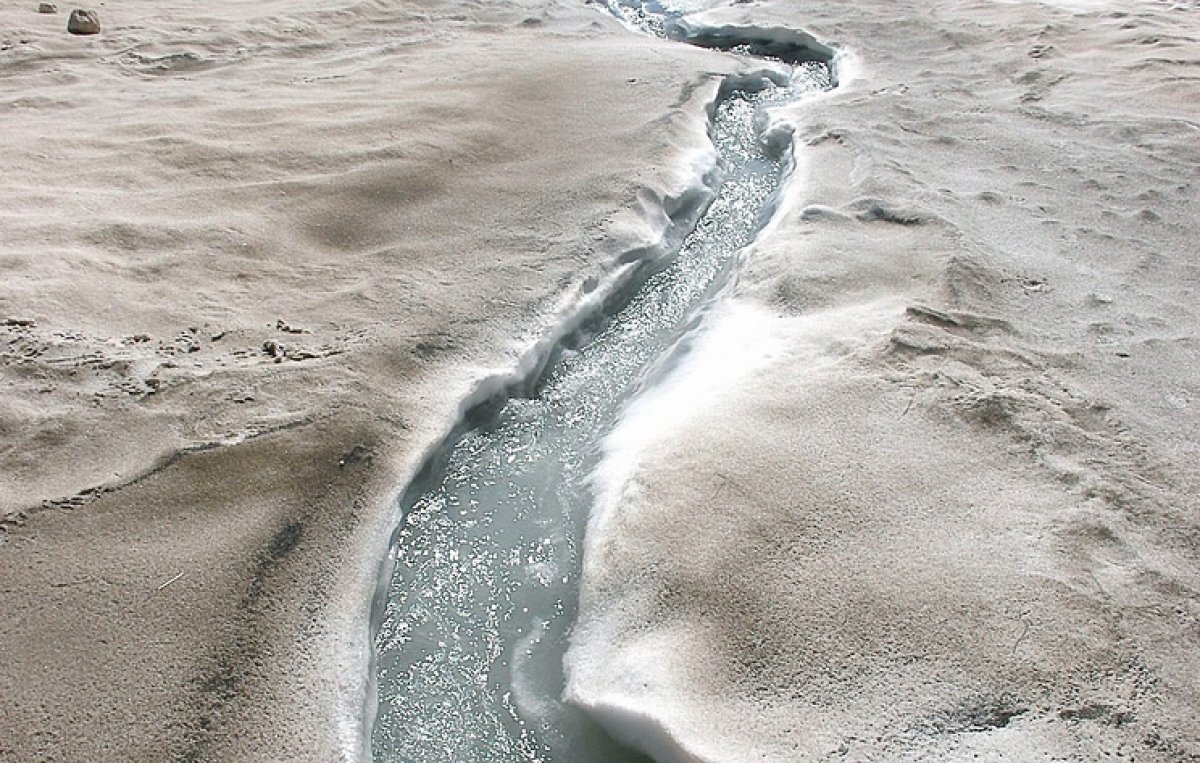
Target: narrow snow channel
[469,645]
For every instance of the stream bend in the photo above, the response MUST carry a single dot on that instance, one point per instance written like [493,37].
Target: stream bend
[475,610]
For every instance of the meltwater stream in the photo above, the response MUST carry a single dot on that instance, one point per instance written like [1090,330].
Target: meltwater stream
[470,644]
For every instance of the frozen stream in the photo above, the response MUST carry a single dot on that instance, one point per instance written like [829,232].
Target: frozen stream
[482,597]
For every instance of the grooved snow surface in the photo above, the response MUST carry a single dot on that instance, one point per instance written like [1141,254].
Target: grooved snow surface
[947,511]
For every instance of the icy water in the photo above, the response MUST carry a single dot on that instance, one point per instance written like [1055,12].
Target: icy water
[483,593]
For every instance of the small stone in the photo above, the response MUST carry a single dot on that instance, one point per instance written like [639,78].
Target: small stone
[83,22]
[47,8]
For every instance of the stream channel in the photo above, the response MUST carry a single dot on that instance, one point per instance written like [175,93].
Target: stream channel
[471,631]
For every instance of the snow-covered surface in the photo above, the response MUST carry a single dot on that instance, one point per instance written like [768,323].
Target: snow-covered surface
[255,257]
[950,514]
[941,503]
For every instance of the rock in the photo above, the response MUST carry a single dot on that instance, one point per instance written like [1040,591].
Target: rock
[83,22]
[47,8]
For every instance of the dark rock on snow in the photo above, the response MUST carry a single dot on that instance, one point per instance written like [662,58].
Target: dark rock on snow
[83,22]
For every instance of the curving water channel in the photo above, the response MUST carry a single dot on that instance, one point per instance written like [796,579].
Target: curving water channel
[469,645]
